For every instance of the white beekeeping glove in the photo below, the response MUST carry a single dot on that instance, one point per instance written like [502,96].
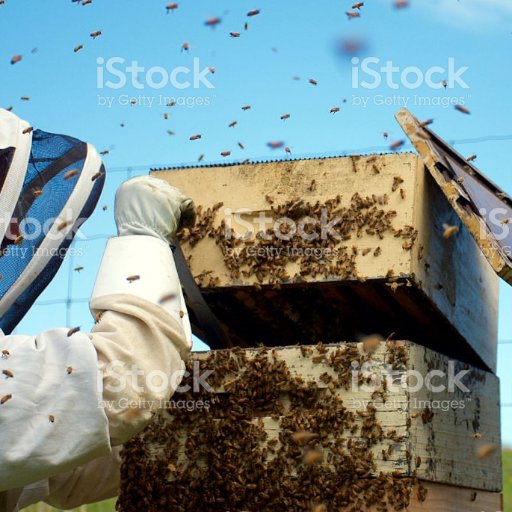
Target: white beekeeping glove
[150,206]
[139,262]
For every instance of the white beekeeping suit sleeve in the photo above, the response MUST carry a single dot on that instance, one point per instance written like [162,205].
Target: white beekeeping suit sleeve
[143,327]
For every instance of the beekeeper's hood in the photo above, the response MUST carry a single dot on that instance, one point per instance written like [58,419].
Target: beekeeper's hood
[49,185]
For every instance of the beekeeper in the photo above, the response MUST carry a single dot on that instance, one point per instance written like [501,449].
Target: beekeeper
[70,399]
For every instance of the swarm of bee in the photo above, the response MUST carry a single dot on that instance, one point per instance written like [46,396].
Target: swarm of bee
[265,256]
[227,458]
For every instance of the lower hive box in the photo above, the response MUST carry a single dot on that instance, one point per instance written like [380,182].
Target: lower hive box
[370,426]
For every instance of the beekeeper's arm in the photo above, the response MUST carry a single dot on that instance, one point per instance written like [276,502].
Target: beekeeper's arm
[50,416]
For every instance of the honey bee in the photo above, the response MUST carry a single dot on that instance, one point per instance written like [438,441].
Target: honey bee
[70,174]
[195,137]
[463,109]
[240,145]
[353,14]
[18,240]
[232,124]
[358,5]
[320,507]
[171,7]
[69,370]
[394,286]
[104,207]
[8,374]
[449,231]
[72,331]
[275,144]
[225,153]
[402,193]
[211,69]
[62,225]
[200,158]
[185,47]
[288,150]
[167,297]
[246,107]
[104,152]
[426,122]
[312,81]
[133,278]
[25,98]
[96,175]
[16,59]
[312,186]
[234,34]
[86,2]
[78,47]
[182,313]
[5,354]
[212,22]
[96,34]
[5,398]
[401,4]
[302,437]
[313,457]
[486,450]
[396,145]
[28,130]
[471,158]
[253,12]
[285,116]
[51,418]
[334,110]
[78,269]
[385,135]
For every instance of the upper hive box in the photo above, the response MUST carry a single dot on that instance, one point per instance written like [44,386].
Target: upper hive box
[301,251]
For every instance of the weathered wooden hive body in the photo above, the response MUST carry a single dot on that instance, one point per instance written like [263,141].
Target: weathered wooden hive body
[312,420]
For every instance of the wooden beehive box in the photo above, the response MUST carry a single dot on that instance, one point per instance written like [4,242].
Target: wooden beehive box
[390,269]
[346,427]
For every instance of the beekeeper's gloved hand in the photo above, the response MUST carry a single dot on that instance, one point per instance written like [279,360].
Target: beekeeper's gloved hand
[150,206]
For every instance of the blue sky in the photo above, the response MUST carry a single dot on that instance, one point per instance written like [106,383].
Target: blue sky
[286,39]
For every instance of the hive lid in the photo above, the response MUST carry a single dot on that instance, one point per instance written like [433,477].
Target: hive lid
[482,206]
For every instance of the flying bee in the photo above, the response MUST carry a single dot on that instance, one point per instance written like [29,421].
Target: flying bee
[69,370]
[358,5]
[133,278]
[86,2]
[96,34]
[200,158]
[246,107]
[312,81]
[25,98]
[167,297]
[313,457]
[463,109]
[16,59]
[401,4]
[104,152]
[232,124]
[253,12]
[96,175]
[212,22]
[182,313]
[334,110]
[72,331]
[78,47]
[8,374]
[485,450]
[5,354]
[426,122]
[18,240]
[275,144]
[195,137]
[28,130]
[240,145]
[396,145]
[171,7]
[5,398]
[285,116]
[471,158]
[302,437]
[70,174]
[449,231]
[288,150]
[234,34]
[185,47]
[225,153]
[211,69]
[78,269]
[353,14]
[51,418]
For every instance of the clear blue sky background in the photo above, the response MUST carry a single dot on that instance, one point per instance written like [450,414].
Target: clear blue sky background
[287,39]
